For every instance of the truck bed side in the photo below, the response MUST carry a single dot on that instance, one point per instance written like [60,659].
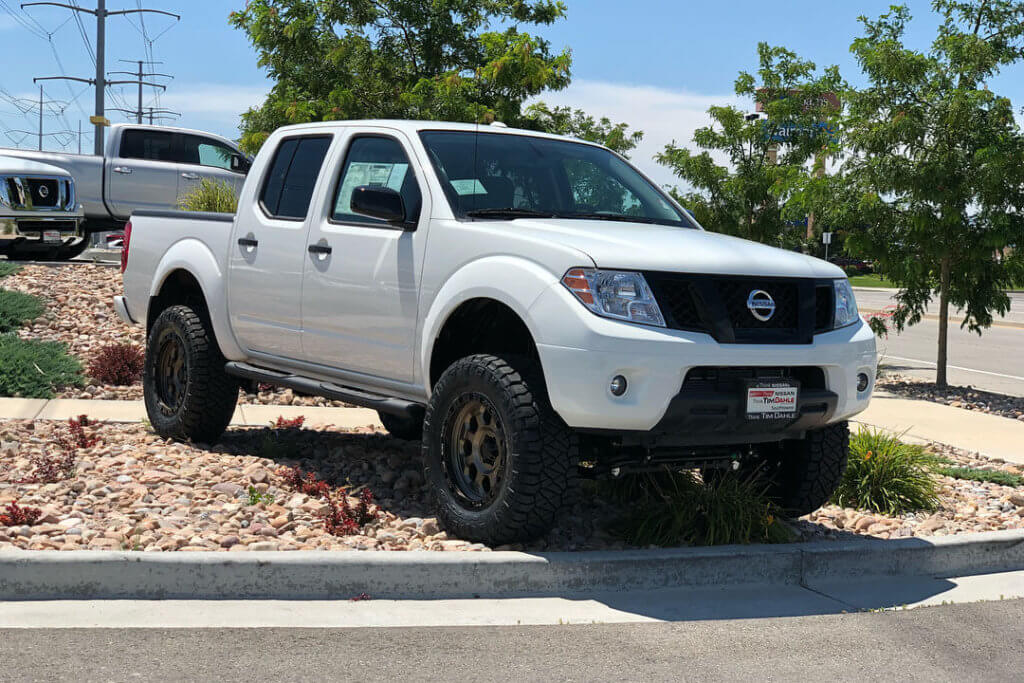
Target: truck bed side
[180,249]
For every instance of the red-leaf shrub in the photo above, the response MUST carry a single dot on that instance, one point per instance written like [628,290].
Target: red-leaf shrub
[305,482]
[294,423]
[15,515]
[118,364]
[341,519]
[49,467]
[77,438]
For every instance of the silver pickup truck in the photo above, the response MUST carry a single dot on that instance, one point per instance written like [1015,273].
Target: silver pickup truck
[143,168]
[39,213]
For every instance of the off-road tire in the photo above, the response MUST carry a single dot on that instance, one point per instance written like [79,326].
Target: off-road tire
[401,427]
[804,474]
[210,395]
[540,466]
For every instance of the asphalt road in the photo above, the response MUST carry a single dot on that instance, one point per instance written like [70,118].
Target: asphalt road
[993,361]
[978,641]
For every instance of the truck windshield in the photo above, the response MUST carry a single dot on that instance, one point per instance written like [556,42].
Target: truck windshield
[503,175]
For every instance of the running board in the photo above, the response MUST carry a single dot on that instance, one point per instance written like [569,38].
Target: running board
[306,385]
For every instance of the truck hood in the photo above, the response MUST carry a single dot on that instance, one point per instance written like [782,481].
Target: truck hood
[10,165]
[640,246]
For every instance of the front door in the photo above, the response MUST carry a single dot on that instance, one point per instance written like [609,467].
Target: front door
[268,250]
[204,158]
[360,298]
[144,174]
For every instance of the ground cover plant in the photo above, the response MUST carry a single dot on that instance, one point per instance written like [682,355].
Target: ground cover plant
[35,369]
[885,475]
[670,508]
[977,474]
[17,308]
[8,268]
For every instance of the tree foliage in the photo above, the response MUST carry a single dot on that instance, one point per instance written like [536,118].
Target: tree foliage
[454,60]
[578,124]
[933,185]
[767,156]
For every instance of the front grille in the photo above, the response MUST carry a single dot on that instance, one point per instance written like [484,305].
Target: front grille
[717,305]
[45,192]
[727,379]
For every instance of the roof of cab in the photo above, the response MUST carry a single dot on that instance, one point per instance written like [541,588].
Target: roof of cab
[412,127]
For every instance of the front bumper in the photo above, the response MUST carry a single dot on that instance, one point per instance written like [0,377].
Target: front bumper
[581,353]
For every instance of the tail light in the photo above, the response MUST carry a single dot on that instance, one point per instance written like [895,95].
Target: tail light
[124,245]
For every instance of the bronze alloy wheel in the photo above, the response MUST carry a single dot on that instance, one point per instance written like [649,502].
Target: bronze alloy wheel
[171,372]
[477,446]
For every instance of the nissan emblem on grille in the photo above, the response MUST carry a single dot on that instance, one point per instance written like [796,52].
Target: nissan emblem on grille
[761,305]
[43,191]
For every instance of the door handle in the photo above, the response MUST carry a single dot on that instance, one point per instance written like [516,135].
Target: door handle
[319,249]
[124,170]
[190,176]
[248,242]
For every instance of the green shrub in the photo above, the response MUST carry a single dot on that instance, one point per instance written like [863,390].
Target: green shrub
[35,369]
[885,475]
[676,508]
[975,474]
[217,196]
[8,268]
[17,308]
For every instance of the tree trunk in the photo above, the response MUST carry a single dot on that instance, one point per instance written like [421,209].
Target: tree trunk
[940,373]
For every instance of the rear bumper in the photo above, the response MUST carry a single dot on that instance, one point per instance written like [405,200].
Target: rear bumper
[121,308]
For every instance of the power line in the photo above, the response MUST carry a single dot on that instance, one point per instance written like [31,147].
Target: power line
[101,13]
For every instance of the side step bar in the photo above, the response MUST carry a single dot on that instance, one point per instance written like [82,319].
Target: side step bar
[306,385]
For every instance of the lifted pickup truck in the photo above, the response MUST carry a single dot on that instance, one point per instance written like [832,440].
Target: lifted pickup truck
[531,306]
[39,212]
[143,167]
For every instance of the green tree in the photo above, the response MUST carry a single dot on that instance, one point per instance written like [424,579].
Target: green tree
[934,185]
[454,60]
[768,156]
[578,124]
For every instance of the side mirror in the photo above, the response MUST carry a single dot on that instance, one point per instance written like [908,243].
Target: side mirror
[378,202]
[240,164]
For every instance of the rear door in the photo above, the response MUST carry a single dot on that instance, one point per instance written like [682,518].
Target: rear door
[204,158]
[268,250]
[144,172]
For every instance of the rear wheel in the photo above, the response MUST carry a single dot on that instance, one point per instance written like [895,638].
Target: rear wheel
[188,395]
[500,462]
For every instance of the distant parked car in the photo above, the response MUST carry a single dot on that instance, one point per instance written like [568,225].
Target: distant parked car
[845,262]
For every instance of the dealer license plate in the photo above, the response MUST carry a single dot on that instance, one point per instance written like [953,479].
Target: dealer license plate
[51,235]
[772,400]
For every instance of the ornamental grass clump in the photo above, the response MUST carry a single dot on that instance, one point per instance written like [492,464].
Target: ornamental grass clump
[886,475]
[118,364]
[670,508]
[215,196]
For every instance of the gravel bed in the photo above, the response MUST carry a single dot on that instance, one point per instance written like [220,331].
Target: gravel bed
[80,313]
[137,491]
[967,397]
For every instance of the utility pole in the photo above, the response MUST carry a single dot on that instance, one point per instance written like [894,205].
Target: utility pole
[40,118]
[101,13]
[79,137]
[140,75]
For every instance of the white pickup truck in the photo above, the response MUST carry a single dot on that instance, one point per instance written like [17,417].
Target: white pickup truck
[531,306]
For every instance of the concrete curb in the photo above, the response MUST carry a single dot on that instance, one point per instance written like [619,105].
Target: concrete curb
[82,575]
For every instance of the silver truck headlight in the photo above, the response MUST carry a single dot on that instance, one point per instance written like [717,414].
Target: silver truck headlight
[846,305]
[616,294]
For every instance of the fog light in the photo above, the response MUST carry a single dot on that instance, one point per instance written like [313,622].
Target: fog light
[618,385]
[862,382]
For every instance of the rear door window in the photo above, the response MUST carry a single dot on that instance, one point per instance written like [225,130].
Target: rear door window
[288,188]
[151,145]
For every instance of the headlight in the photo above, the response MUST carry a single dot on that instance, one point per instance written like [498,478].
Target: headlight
[846,305]
[616,294]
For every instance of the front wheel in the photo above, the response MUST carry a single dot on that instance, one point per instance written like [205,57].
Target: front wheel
[804,474]
[188,395]
[500,463]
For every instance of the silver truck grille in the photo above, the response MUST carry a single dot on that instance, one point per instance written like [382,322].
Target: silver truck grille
[36,193]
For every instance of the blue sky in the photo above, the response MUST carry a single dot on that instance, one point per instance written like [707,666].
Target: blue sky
[657,65]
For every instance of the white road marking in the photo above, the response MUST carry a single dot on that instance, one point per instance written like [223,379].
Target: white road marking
[955,367]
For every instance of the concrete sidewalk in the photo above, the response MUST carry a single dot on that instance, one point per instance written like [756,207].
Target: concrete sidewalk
[990,435]
[135,411]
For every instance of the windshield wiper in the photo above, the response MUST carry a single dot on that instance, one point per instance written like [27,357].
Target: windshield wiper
[509,212]
[609,217]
